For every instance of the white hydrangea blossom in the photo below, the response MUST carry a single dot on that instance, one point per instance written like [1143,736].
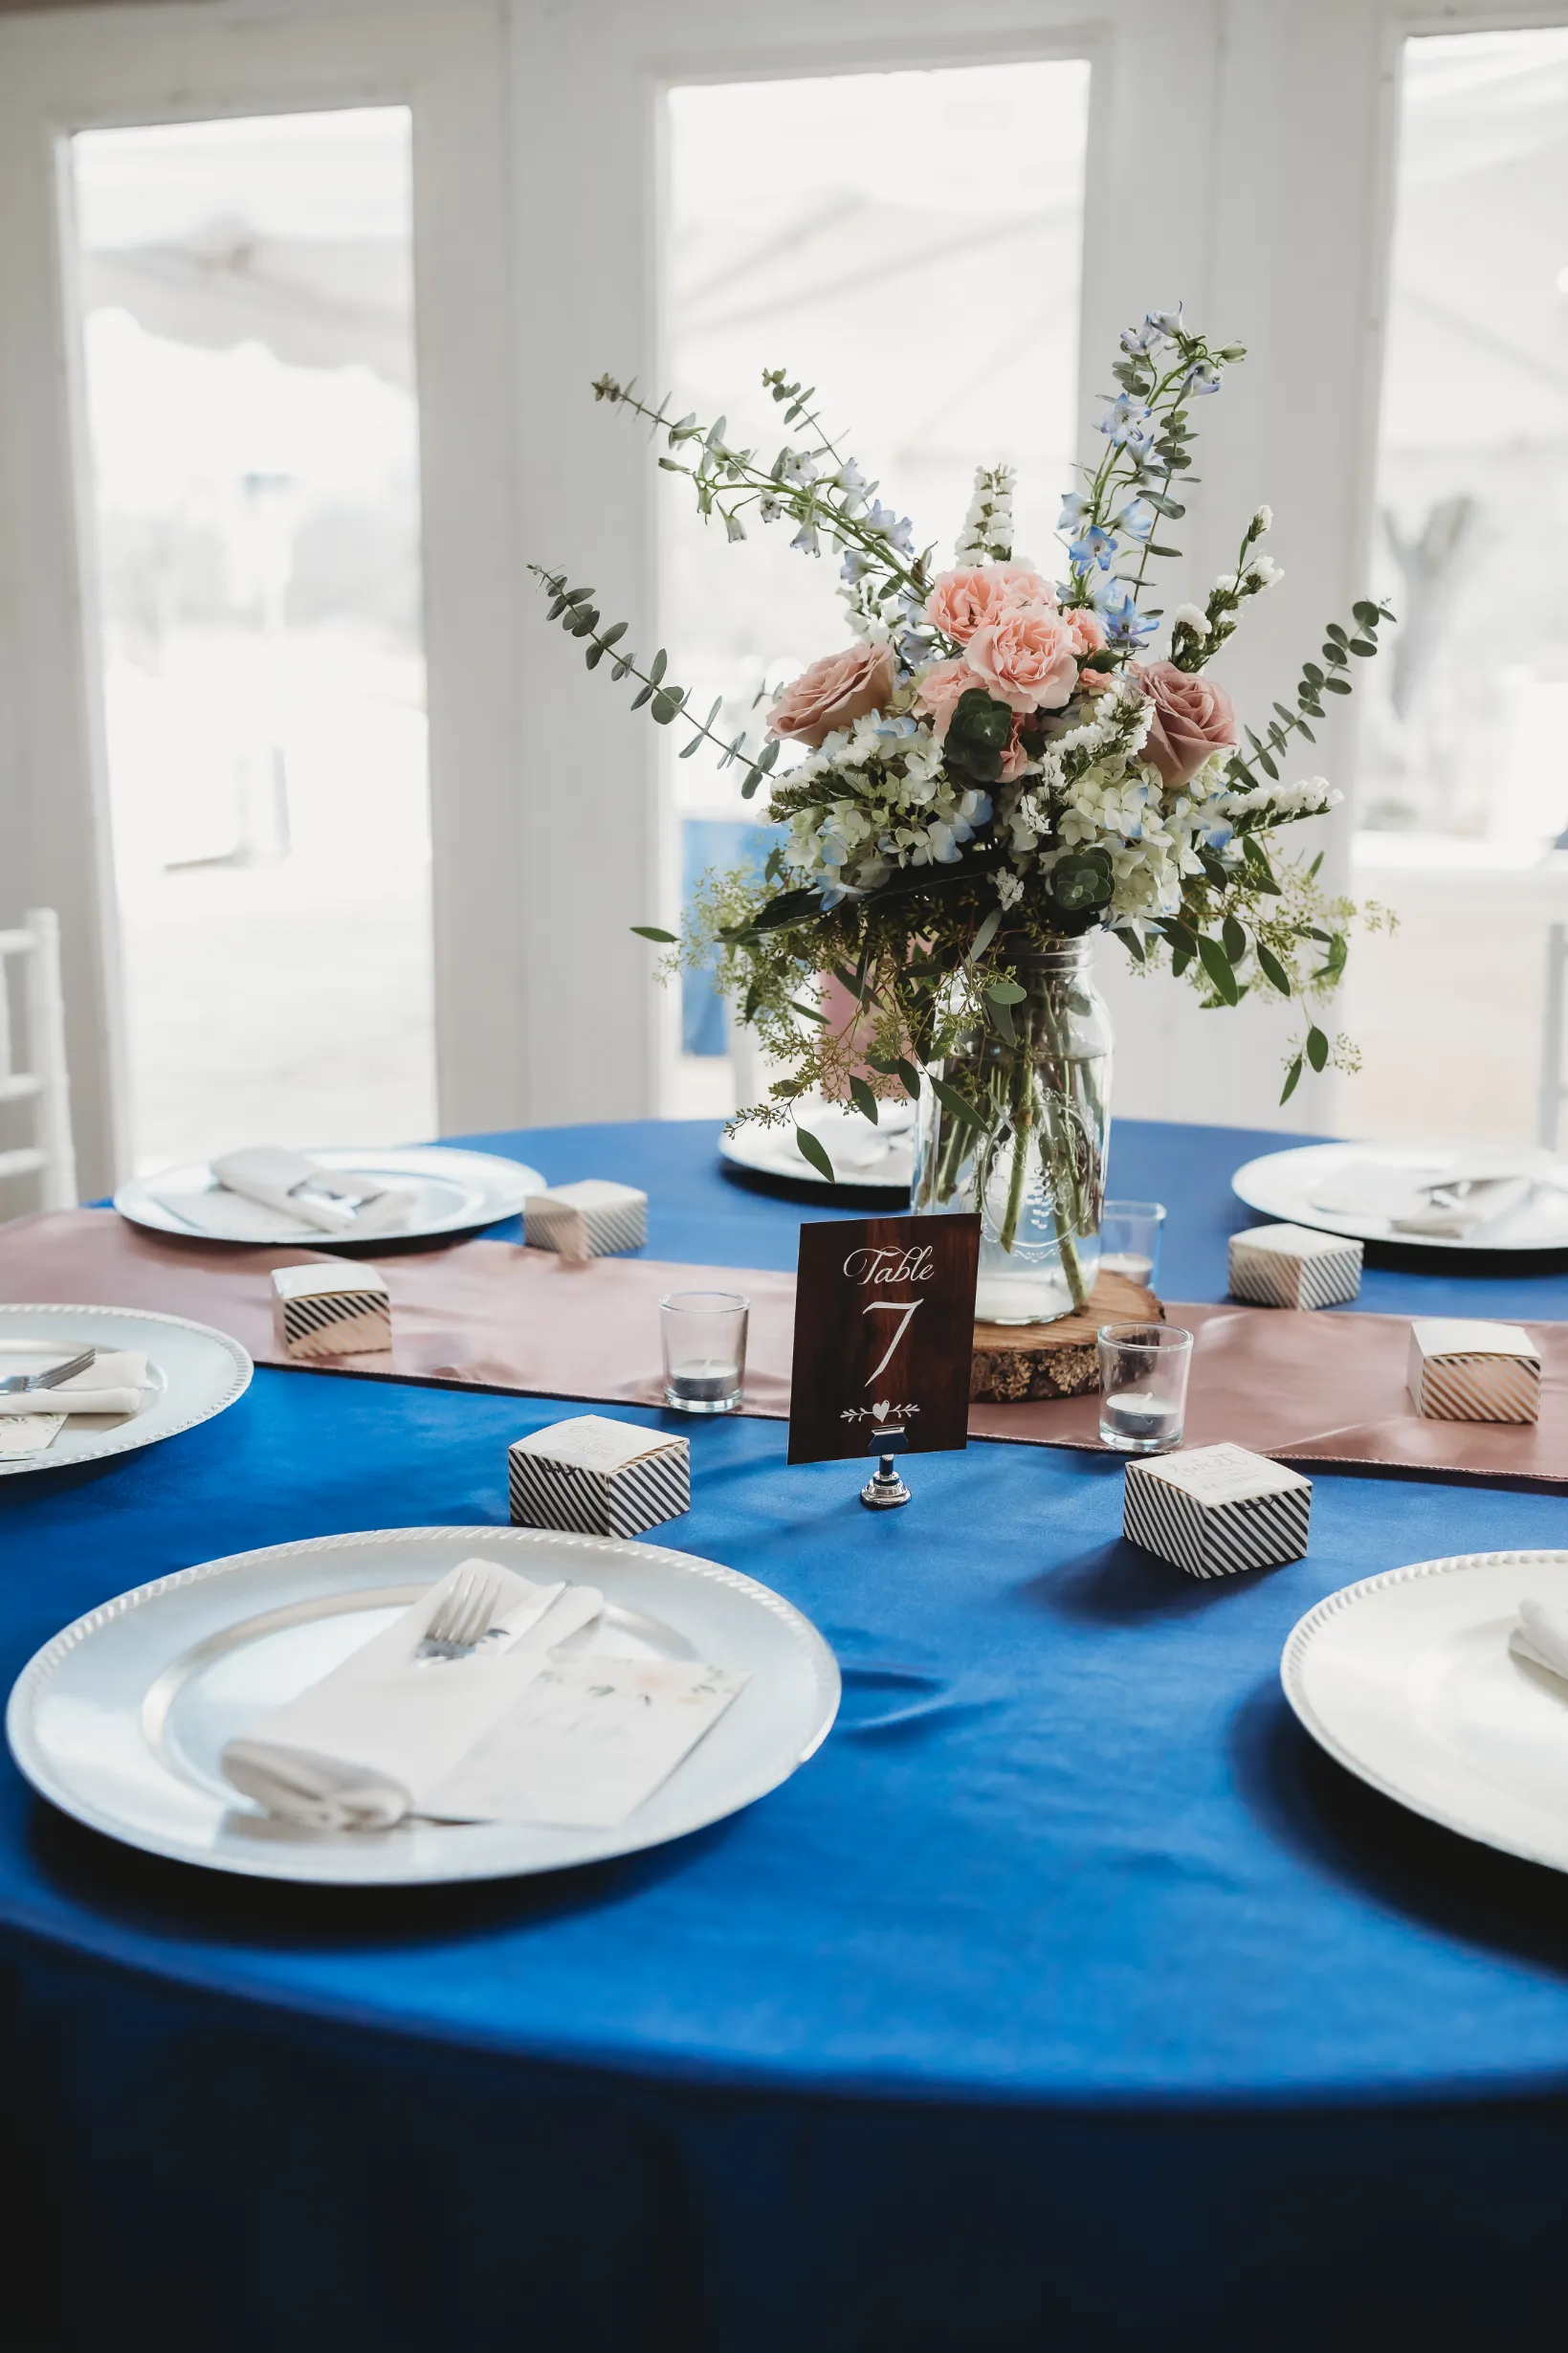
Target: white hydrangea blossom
[880,801]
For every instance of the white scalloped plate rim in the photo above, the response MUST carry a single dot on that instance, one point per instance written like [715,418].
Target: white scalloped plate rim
[1292,1675]
[133,1434]
[37,1767]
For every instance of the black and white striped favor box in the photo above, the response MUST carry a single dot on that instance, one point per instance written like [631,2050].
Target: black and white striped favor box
[590,1220]
[598,1477]
[332,1310]
[1291,1266]
[1216,1510]
[1465,1372]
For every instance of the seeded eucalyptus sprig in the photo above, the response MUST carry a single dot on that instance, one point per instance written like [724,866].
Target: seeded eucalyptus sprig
[1338,646]
[579,616]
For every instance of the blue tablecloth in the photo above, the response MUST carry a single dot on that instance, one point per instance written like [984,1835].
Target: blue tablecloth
[1067,1998]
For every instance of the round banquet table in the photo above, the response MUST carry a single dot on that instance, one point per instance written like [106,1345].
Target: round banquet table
[1067,1998]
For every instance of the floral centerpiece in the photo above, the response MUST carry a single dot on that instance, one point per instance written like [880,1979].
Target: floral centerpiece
[997,767]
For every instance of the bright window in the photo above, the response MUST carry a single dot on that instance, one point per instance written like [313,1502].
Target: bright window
[1464,772]
[248,301]
[938,319]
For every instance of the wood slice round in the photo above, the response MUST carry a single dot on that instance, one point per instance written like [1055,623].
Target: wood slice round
[1017,1360]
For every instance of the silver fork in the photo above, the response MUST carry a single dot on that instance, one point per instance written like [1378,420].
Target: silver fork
[463,1617]
[21,1384]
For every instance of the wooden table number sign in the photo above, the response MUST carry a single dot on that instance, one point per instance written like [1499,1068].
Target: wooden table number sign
[884,1325]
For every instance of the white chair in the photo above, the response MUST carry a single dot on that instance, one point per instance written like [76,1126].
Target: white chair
[44,1083]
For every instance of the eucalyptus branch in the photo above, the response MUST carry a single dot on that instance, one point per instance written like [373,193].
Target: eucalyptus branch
[1338,646]
[580,617]
[809,500]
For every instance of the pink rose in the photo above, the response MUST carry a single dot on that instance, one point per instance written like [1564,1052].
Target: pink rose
[939,692]
[833,693]
[1015,758]
[1026,658]
[1192,717]
[963,600]
[1095,682]
[1088,635]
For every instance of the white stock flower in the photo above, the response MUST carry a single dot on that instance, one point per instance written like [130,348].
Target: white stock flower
[1190,616]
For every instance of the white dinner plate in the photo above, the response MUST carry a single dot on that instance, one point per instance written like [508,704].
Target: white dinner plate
[1408,1680]
[453,1191]
[120,1720]
[882,1156]
[1282,1184]
[192,1373]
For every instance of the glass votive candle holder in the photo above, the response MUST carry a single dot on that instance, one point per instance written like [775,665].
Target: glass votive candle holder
[1143,1387]
[1130,1233]
[704,1334]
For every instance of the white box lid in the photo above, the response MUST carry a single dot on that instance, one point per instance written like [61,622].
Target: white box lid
[593,1442]
[590,1194]
[1216,1474]
[1435,1336]
[1294,1241]
[314,1283]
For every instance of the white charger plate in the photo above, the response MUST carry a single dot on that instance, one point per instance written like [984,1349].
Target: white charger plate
[192,1373]
[1408,1680]
[1282,1184]
[121,1718]
[454,1193]
[863,1156]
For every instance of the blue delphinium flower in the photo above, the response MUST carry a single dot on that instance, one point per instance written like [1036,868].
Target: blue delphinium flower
[1095,545]
[855,566]
[1138,520]
[1073,511]
[806,538]
[898,530]
[1139,342]
[1162,326]
[1125,415]
[1202,376]
[1124,624]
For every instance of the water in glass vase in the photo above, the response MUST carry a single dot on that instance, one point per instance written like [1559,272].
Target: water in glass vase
[1037,1073]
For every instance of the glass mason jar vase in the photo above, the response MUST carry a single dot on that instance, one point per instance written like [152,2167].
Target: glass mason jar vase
[1035,1170]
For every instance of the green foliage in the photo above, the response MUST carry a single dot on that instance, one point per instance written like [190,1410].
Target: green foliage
[978,736]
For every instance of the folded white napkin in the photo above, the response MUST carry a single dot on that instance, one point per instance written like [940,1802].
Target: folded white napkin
[393,1725]
[272,1177]
[321,1792]
[113,1384]
[1541,1635]
[852,1141]
[1455,1202]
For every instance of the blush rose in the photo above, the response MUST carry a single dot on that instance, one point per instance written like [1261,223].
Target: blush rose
[968,599]
[1026,658]
[833,693]
[1192,717]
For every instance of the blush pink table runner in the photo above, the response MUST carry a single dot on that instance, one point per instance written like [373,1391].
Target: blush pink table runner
[1307,1387]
